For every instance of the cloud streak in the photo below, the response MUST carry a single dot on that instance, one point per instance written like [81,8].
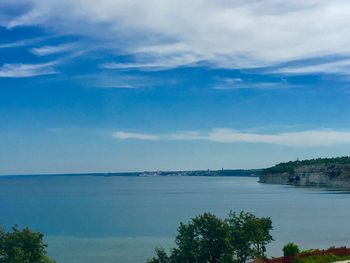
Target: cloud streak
[119,81]
[136,136]
[226,34]
[155,64]
[308,138]
[237,83]
[339,66]
[49,50]
[21,43]
[26,70]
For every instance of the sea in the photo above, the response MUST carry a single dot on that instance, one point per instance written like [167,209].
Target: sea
[99,219]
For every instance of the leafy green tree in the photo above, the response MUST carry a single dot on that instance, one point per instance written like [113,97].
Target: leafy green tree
[2,238]
[22,246]
[161,256]
[204,239]
[207,238]
[290,249]
[249,235]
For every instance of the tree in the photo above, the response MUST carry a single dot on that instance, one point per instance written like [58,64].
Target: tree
[2,238]
[22,246]
[207,238]
[249,235]
[204,239]
[161,256]
[290,249]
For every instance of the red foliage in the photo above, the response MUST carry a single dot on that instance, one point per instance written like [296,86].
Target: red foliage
[341,252]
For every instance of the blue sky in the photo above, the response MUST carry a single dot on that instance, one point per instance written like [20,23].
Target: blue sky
[106,86]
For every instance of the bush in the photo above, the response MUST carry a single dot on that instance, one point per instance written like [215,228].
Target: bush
[310,250]
[290,249]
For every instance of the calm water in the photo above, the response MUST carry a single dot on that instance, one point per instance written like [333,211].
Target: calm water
[121,219]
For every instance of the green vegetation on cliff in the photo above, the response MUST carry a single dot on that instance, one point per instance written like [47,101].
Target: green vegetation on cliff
[289,167]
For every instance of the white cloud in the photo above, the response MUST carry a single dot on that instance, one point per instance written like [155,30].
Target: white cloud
[158,64]
[136,136]
[309,138]
[298,139]
[21,43]
[237,83]
[26,70]
[49,50]
[119,81]
[186,136]
[340,66]
[230,34]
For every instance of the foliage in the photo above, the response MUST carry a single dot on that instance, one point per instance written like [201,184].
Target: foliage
[249,235]
[289,167]
[320,259]
[290,249]
[207,238]
[22,246]
[161,256]
[310,250]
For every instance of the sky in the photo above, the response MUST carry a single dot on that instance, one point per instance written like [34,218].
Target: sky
[120,85]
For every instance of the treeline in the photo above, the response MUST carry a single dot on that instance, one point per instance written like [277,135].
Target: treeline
[206,238]
[289,167]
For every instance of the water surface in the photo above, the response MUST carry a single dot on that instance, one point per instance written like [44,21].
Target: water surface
[92,219]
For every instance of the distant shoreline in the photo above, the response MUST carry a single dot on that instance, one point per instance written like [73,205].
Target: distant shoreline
[210,173]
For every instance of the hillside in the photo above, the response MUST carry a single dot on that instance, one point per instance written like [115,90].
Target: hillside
[332,172]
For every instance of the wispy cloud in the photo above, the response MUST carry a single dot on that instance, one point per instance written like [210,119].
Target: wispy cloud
[119,81]
[229,34]
[155,63]
[308,138]
[26,70]
[298,139]
[135,136]
[339,66]
[237,83]
[21,43]
[49,50]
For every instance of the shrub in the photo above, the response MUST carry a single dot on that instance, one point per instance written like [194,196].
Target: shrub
[290,249]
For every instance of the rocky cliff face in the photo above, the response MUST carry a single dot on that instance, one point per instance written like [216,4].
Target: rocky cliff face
[335,175]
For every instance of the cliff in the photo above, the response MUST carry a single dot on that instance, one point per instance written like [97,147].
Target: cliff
[328,172]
